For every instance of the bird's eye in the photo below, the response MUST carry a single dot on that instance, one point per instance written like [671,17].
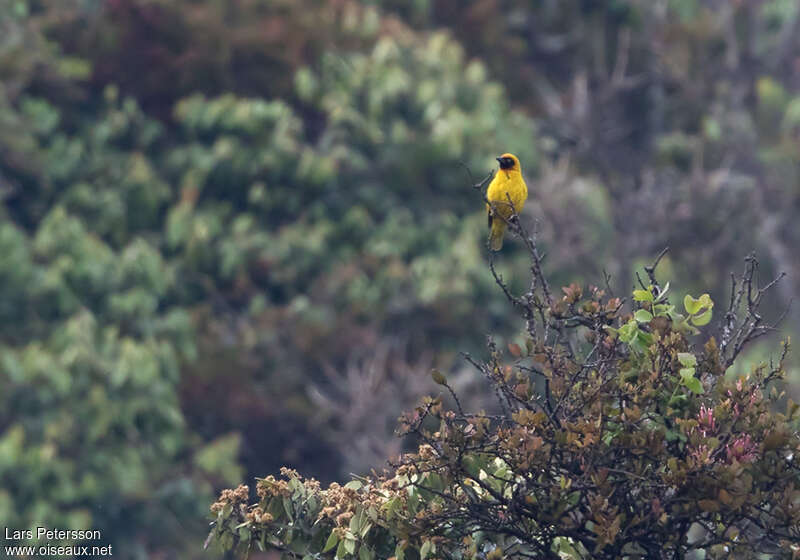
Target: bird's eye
[508,162]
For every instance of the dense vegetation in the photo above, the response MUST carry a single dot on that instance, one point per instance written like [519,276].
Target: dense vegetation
[223,224]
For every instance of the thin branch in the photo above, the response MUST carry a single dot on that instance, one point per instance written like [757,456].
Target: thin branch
[743,322]
[651,269]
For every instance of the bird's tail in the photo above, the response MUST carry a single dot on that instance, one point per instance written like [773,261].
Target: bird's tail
[496,235]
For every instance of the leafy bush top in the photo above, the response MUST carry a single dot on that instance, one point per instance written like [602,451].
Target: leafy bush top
[615,435]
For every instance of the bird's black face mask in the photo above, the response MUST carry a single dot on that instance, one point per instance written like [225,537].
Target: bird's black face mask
[505,162]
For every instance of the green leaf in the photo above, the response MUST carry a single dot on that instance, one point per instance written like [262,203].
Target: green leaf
[687,372]
[677,400]
[438,377]
[643,316]
[671,435]
[792,408]
[332,541]
[694,385]
[365,527]
[311,504]
[642,341]
[642,295]
[354,485]
[706,301]
[692,305]
[628,331]
[226,541]
[365,553]
[356,522]
[391,506]
[663,310]
[413,499]
[702,319]
[349,545]
[275,508]
[574,498]
[287,507]
[563,546]
[686,359]
[426,549]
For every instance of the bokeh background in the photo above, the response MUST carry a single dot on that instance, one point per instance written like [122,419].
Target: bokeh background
[236,235]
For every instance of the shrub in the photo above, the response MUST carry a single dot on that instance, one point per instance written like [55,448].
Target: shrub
[616,434]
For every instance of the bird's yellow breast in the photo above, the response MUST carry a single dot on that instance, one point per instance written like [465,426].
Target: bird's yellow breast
[507,185]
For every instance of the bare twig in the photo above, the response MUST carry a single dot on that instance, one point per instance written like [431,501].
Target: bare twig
[743,322]
[651,269]
[607,282]
[501,283]
[477,186]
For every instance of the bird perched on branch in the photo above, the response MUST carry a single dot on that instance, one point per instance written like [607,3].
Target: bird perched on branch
[506,194]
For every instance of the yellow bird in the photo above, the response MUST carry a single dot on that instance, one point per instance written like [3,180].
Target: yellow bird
[506,189]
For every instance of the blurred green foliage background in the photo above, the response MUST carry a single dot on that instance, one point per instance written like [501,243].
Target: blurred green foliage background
[238,234]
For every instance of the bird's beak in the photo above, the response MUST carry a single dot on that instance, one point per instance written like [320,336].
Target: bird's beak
[499,160]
